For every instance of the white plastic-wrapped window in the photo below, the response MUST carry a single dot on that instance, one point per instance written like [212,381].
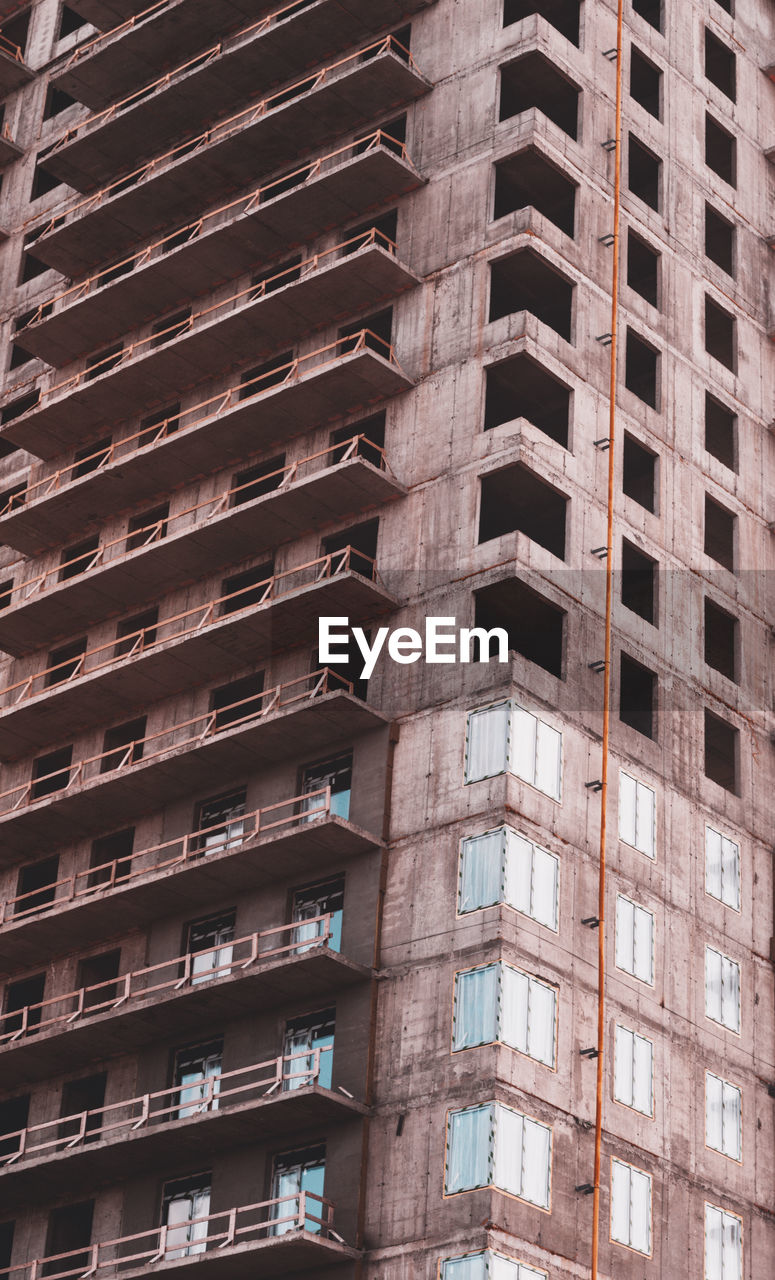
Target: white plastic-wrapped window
[723,1244]
[637,814]
[630,1207]
[722,868]
[633,1071]
[723,1116]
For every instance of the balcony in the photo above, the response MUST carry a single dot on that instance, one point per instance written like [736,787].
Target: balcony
[290,209]
[273,1238]
[174,998]
[310,390]
[9,151]
[173,32]
[264,1102]
[297,839]
[352,276]
[268,133]
[14,73]
[102,792]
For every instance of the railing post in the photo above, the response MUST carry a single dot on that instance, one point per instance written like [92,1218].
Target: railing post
[302,1209]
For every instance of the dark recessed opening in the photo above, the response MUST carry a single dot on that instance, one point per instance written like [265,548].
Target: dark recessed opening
[136,633]
[246,588]
[276,276]
[727,5]
[650,10]
[529,179]
[536,628]
[719,240]
[645,82]
[562,14]
[386,225]
[17,407]
[262,376]
[36,885]
[720,432]
[257,480]
[150,526]
[26,993]
[111,857]
[522,388]
[64,663]
[720,151]
[637,696]
[12,499]
[16,30]
[238,700]
[525,282]
[78,558]
[379,332]
[720,65]
[170,327]
[98,972]
[123,744]
[6,1245]
[644,170]
[517,499]
[393,136]
[69,21]
[639,581]
[641,369]
[534,81]
[639,472]
[79,1096]
[157,426]
[91,457]
[373,431]
[51,772]
[362,539]
[14,1115]
[720,334]
[721,632]
[348,670]
[56,102]
[43,182]
[643,268]
[719,533]
[721,752]
[102,361]
[31,267]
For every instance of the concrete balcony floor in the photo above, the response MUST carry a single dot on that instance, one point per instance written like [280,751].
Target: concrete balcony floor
[14,73]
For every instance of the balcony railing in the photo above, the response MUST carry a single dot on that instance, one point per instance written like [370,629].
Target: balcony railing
[90,46]
[188,733]
[10,49]
[248,1224]
[170,976]
[123,1119]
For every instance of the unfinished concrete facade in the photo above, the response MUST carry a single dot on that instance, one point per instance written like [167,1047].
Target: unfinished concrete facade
[307,310]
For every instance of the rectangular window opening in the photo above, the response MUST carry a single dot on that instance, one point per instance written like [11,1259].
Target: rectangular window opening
[720,334]
[638,696]
[639,582]
[516,499]
[722,753]
[641,369]
[720,65]
[534,82]
[524,281]
[643,265]
[522,388]
[528,179]
[564,15]
[721,639]
[535,627]
[644,173]
[720,151]
[720,530]
[645,83]
[719,240]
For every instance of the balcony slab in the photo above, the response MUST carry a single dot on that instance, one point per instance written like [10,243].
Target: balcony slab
[14,73]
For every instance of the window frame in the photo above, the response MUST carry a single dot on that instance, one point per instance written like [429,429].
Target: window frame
[621,897]
[522,1270]
[513,708]
[502,899]
[499,1037]
[632,1168]
[733,906]
[491,1158]
[619,1027]
[640,789]
[723,1214]
[725,959]
[736,1156]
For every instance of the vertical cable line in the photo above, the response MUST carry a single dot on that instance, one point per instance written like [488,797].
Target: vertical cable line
[607,672]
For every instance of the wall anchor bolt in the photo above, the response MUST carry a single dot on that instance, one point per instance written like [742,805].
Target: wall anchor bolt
[605,339]
[597,666]
[609,144]
[588,1053]
[592,922]
[594,786]
[607,240]
[611,54]
[603,443]
[600,552]
[585,1188]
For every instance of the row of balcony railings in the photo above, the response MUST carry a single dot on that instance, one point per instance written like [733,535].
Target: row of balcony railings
[193,848]
[121,1120]
[59,306]
[169,977]
[305,1214]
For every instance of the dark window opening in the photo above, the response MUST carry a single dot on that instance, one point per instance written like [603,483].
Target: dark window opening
[26,993]
[522,388]
[379,331]
[178,238]
[6,593]
[14,1114]
[122,268]
[315,900]
[91,457]
[276,276]
[269,374]
[159,425]
[347,671]
[720,151]
[123,745]
[721,639]
[722,749]
[168,328]
[719,240]
[16,30]
[237,701]
[19,356]
[96,976]
[534,82]
[372,428]
[103,361]
[516,499]
[336,773]
[641,369]
[639,473]
[525,282]
[12,499]
[720,432]
[644,173]
[393,136]
[650,11]
[56,102]
[720,334]
[78,558]
[136,633]
[6,1245]
[639,581]
[643,268]
[69,1229]
[563,15]
[64,663]
[111,858]
[645,83]
[69,21]
[535,626]
[51,772]
[727,5]
[31,267]
[719,534]
[362,539]
[637,696]
[43,182]
[246,588]
[255,481]
[150,526]
[530,179]
[386,225]
[220,820]
[79,1097]
[720,65]
[36,885]
[17,407]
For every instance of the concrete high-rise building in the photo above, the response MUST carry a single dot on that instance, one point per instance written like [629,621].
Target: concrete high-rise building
[307,312]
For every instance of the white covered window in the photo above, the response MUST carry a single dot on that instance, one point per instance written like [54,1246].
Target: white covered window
[507,738]
[630,1207]
[488,1266]
[723,1244]
[498,1002]
[634,1071]
[722,868]
[722,989]
[637,814]
[493,1145]
[502,866]
[634,940]
[723,1116]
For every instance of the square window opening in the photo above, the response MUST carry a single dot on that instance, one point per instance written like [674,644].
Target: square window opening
[517,500]
[525,282]
[529,179]
[536,628]
[534,82]
[563,15]
[523,388]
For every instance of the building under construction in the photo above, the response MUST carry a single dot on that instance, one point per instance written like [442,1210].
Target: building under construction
[314,310]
